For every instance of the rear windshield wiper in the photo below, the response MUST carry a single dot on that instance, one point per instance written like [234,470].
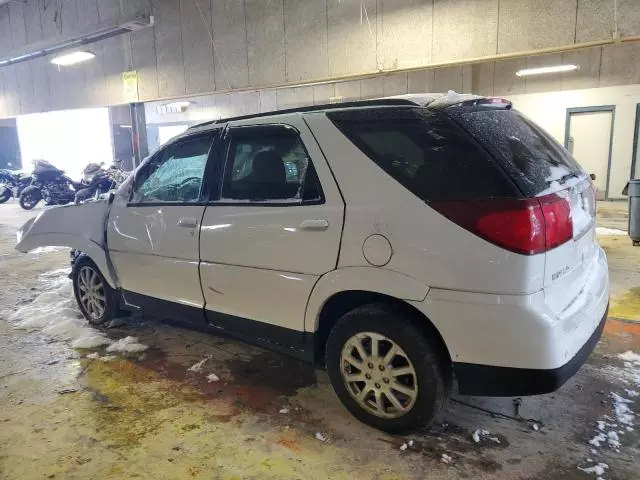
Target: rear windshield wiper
[564,178]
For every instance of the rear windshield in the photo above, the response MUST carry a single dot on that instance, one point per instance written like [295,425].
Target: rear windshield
[531,156]
[426,152]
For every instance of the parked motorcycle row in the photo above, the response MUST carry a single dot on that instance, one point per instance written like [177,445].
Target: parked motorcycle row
[50,184]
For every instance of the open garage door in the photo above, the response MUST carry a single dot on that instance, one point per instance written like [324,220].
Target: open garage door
[69,139]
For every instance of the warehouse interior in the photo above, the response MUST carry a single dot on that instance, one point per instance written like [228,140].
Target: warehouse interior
[147,70]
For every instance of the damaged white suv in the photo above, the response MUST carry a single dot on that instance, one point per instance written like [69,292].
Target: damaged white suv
[402,242]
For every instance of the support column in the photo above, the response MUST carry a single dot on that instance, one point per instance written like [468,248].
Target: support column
[139,133]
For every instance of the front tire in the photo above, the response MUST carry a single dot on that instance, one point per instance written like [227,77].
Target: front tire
[5,195]
[385,369]
[96,299]
[30,197]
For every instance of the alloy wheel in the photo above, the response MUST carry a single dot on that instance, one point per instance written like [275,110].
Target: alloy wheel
[379,375]
[91,292]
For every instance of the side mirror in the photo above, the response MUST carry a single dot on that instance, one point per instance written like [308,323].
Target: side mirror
[592,176]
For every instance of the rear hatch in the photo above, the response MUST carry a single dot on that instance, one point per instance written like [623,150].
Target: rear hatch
[546,173]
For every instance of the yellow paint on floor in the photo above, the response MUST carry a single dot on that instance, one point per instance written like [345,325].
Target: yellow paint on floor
[127,421]
[627,305]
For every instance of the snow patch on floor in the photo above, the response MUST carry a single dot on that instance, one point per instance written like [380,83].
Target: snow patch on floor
[630,356]
[610,430]
[597,469]
[609,232]
[55,314]
[43,250]
[127,345]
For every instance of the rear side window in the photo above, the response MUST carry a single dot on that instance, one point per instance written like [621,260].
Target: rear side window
[426,152]
[530,155]
[269,164]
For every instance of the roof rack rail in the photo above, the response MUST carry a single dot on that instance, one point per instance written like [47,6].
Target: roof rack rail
[315,108]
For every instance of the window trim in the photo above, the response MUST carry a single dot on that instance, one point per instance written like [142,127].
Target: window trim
[214,136]
[227,140]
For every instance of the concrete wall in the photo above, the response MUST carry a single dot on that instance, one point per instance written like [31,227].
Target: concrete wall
[549,110]
[257,43]
[544,99]
[605,66]
[223,105]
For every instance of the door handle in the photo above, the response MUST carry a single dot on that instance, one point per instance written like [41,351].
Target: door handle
[187,222]
[317,225]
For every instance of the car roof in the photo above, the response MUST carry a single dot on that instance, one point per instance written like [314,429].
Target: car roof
[433,100]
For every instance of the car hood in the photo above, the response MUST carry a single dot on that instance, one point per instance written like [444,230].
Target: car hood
[81,227]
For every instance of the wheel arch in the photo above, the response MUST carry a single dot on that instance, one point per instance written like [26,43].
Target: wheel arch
[343,290]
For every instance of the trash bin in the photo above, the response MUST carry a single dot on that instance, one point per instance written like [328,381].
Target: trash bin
[633,190]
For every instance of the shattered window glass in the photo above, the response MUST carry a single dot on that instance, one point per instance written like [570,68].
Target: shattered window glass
[175,174]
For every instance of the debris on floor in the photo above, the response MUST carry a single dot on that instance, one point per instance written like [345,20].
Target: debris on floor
[212,377]
[116,322]
[198,366]
[446,458]
[320,436]
[67,390]
[480,434]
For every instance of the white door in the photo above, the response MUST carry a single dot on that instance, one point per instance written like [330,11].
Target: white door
[273,231]
[589,142]
[153,235]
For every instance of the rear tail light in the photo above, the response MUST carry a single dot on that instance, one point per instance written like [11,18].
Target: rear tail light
[528,226]
[556,209]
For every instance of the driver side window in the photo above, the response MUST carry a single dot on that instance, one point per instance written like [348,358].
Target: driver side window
[174,175]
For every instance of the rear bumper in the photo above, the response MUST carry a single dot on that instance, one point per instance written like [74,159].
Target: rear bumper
[487,380]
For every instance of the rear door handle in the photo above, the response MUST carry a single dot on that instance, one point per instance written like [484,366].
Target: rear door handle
[317,225]
[187,222]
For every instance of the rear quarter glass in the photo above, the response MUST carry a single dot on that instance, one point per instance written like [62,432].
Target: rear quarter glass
[426,152]
[534,160]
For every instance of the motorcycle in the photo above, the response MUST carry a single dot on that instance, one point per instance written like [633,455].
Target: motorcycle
[12,183]
[99,180]
[51,184]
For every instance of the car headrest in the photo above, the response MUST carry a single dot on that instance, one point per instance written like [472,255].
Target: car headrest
[268,167]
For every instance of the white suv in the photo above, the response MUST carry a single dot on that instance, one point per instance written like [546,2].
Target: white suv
[402,242]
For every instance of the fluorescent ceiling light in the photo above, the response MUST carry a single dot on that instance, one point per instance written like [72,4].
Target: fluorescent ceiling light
[542,70]
[72,58]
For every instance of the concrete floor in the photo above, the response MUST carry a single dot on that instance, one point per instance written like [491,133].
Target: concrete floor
[146,416]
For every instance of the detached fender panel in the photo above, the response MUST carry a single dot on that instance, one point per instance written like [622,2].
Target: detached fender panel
[369,279]
[75,226]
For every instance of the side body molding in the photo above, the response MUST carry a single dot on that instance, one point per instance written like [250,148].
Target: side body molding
[368,279]
[76,226]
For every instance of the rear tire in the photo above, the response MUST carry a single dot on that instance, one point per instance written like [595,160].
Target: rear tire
[97,301]
[377,392]
[30,197]
[5,195]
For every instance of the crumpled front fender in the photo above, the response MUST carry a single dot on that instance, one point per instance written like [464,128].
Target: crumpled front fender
[76,226]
